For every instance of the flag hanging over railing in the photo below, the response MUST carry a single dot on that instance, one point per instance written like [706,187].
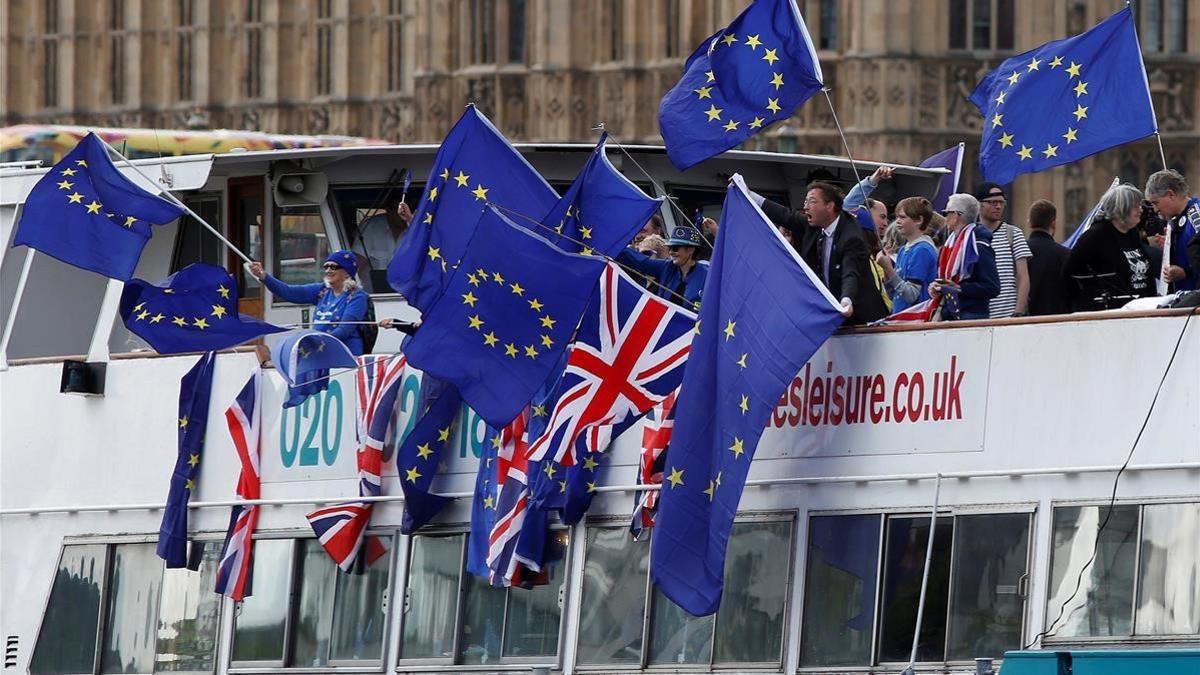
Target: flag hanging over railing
[195,389]
[244,419]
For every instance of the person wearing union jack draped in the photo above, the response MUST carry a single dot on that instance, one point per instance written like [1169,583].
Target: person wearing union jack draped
[679,279]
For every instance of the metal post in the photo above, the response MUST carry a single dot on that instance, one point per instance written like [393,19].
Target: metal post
[12,311]
[937,491]
[98,350]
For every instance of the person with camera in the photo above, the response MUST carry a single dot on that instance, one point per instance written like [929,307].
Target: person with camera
[1167,191]
[1111,262]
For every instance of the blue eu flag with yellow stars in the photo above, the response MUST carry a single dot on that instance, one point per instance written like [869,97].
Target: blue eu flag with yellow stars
[87,214]
[193,310]
[475,165]
[764,315]
[508,312]
[756,71]
[194,392]
[601,210]
[421,453]
[1063,101]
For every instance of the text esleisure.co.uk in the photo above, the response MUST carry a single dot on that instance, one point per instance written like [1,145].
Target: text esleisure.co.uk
[918,396]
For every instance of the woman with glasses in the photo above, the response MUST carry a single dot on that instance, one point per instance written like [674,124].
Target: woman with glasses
[338,299]
[967,278]
[679,279]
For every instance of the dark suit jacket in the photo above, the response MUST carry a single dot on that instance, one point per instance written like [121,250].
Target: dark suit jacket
[850,267]
[1048,292]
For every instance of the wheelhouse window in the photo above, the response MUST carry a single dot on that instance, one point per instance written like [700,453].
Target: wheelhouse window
[974,603]
[370,218]
[618,609]
[301,244]
[1142,578]
[306,613]
[454,617]
[143,618]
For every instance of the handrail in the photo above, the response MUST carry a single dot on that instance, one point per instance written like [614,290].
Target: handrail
[757,482]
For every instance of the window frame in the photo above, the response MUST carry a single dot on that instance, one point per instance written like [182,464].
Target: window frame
[110,542]
[291,615]
[789,516]
[341,228]
[1133,637]
[272,215]
[994,33]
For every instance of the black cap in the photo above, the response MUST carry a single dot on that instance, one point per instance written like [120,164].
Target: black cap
[986,190]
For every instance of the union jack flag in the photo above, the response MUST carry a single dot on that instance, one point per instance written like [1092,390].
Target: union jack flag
[511,495]
[237,553]
[628,355]
[656,435]
[340,527]
[956,261]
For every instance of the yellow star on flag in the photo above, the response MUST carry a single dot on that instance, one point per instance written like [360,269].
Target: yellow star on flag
[738,447]
[68,172]
[1073,69]
[516,288]
[1006,140]
[193,459]
[730,39]
[480,192]
[742,361]
[1050,151]
[489,339]
[81,162]
[711,490]
[179,321]
[777,81]
[549,469]
[535,305]
[461,179]
[770,56]
[1070,135]
[591,487]
[424,451]
[1012,79]
[183,422]
[547,342]
[531,352]
[445,174]
[711,77]
[1080,88]
[585,232]
[469,297]
[223,291]
[489,502]
[434,253]
[143,314]
[156,318]
[731,126]
[190,484]
[510,350]
[547,322]
[1033,64]
[473,280]
[752,42]
[1000,97]
[200,323]
[757,123]
[496,277]
[433,194]
[676,477]
[412,475]
[475,321]
[589,464]
[218,311]
[745,404]
[996,119]
[729,332]
[65,185]
[1056,62]
[713,112]
[75,198]
[129,221]
[773,105]
[1025,152]
[704,92]
[539,410]
[1080,112]
[428,218]
[444,434]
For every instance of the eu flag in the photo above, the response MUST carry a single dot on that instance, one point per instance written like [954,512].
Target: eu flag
[506,316]
[474,165]
[193,310]
[601,210]
[303,360]
[87,214]
[421,452]
[950,159]
[764,315]
[1063,101]
[194,391]
[756,71]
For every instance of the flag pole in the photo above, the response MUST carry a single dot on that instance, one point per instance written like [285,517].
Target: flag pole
[937,492]
[12,311]
[166,194]
[849,155]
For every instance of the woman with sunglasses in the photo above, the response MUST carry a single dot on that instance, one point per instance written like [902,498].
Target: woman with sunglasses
[338,299]
[681,277]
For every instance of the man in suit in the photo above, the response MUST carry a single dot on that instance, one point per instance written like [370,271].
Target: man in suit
[1047,285]
[833,246]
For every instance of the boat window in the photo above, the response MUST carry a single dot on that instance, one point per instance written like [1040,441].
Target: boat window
[905,543]
[135,583]
[155,620]
[614,597]
[194,243]
[67,640]
[1103,604]
[1169,570]
[316,615]
[453,616]
[301,244]
[839,605]
[188,617]
[371,221]
[750,623]
[987,602]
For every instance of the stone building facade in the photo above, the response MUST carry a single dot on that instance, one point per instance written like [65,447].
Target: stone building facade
[550,70]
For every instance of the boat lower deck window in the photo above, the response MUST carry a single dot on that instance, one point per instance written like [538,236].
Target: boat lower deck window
[1142,580]
[154,619]
[863,586]
[305,613]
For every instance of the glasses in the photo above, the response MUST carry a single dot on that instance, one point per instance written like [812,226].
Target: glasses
[329,267]
[994,201]
[947,212]
[810,200]
[674,249]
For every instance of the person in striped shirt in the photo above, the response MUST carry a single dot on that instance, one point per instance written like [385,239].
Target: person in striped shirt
[1012,254]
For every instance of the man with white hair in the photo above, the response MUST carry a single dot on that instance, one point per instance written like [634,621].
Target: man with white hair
[978,281]
[1167,191]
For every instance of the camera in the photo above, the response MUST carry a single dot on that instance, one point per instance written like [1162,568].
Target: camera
[1152,223]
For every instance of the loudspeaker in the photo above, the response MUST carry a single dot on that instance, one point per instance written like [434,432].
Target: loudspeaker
[81,377]
[293,186]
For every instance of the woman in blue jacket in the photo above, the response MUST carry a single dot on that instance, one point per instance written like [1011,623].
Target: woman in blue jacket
[679,279]
[338,298]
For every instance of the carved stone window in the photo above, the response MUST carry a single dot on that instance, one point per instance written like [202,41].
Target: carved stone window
[981,25]
[1163,25]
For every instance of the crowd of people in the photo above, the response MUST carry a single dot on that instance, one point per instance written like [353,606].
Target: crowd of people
[876,266]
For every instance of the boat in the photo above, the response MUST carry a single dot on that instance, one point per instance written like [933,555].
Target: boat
[969,469]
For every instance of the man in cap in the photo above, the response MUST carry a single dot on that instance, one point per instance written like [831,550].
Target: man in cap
[1012,254]
[681,277]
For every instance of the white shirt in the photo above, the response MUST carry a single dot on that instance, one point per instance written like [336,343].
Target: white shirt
[826,254]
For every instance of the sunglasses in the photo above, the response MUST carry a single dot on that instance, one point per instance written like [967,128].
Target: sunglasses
[993,200]
[329,267]
[947,212]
